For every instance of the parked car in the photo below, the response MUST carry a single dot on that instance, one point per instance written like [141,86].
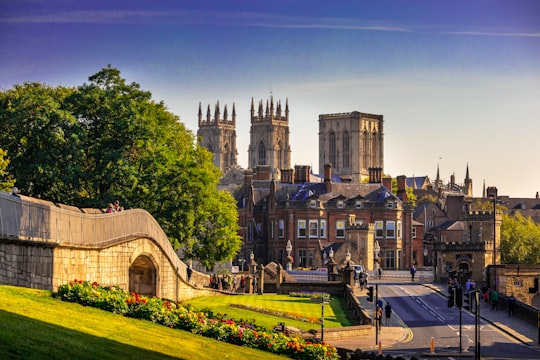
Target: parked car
[358,269]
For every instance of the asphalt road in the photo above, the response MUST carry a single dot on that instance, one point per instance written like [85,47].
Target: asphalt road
[427,315]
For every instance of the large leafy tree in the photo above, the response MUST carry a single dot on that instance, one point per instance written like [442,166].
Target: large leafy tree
[6,183]
[520,240]
[107,140]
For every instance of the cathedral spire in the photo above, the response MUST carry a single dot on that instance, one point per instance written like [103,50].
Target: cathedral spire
[234,112]
[200,114]
[225,113]
[252,108]
[208,114]
[287,109]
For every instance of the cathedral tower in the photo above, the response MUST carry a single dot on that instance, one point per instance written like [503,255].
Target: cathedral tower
[218,135]
[269,137]
[352,143]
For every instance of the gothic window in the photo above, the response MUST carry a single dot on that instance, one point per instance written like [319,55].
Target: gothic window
[373,150]
[365,150]
[332,149]
[346,151]
[279,150]
[262,154]
[226,156]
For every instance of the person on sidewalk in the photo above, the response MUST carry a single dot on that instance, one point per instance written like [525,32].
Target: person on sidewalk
[413,271]
[511,305]
[388,312]
[494,300]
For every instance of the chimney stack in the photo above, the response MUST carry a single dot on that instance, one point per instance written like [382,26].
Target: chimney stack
[328,177]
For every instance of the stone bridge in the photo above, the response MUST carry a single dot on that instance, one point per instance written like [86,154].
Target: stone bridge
[44,245]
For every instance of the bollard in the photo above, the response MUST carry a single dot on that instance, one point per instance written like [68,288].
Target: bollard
[380,349]
[432,345]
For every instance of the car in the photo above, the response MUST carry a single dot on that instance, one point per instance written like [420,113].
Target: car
[358,269]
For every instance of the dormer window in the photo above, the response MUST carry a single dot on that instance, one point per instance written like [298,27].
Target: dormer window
[390,205]
[340,204]
[358,204]
[313,203]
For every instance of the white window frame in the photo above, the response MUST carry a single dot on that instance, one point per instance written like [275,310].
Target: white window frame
[390,205]
[390,229]
[322,229]
[301,228]
[313,203]
[379,229]
[340,204]
[281,228]
[359,204]
[313,229]
[414,232]
[340,229]
[399,229]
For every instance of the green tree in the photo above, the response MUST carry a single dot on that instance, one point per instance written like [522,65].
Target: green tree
[40,137]
[107,140]
[520,240]
[6,183]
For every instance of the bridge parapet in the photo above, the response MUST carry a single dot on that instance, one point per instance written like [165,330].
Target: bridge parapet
[34,221]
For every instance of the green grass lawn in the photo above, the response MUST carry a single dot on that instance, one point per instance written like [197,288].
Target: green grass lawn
[33,325]
[335,314]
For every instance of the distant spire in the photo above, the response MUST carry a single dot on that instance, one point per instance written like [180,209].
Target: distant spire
[234,113]
[287,109]
[208,114]
[252,108]
[225,113]
[200,114]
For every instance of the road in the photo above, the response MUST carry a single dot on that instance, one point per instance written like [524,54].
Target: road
[426,313]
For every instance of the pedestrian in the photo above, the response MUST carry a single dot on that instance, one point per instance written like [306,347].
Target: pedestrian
[380,273]
[189,272]
[388,312]
[413,271]
[511,304]
[494,300]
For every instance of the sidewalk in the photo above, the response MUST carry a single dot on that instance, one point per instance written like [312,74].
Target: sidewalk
[517,328]
[395,332]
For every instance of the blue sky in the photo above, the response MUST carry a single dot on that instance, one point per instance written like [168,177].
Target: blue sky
[458,82]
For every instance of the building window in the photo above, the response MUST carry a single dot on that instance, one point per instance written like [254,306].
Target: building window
[379,229]
[302,257]
[358,204]
[301,228]
[313,203]
[389,258]
[399,224]
[430,224]
[272,225]
[340,204]
[332,149]
[313,228]
[310,258]
[322,229]
[250,231]
[390,204]
[340,228]
[414,232]
[262,154]
[281,228]
[391,229]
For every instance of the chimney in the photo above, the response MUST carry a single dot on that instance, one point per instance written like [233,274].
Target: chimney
[387,182]
[401,188]
[537,194]
[328,177]
[262,172]
[287,176]
[302,174]
[375,175]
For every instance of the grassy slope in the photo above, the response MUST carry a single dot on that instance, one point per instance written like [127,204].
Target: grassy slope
[334,314]
[33,325]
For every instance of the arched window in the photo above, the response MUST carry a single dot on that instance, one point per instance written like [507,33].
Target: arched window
[346,151]
[279,151]
[332,149]
[227,158]
[262,154]
[365,150]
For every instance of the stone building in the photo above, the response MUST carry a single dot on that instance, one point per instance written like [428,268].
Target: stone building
[317,217]
[352,143]
[218,135]
[269,137]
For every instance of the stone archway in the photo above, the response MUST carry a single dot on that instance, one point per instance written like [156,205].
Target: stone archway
[142,276]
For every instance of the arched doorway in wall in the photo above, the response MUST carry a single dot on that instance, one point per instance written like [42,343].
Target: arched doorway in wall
[142,276]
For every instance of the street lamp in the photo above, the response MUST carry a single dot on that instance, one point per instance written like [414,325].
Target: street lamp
[348,258]
[426,253]
[376,250]
[288,248]
[492,192]
[331,254]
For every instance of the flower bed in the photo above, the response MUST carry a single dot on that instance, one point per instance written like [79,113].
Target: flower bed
[168,313]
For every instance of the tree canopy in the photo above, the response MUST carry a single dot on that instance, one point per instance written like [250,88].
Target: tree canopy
[6,183]
[520,240]
[107,140]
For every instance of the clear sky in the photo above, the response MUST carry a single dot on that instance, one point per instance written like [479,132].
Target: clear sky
[458,82]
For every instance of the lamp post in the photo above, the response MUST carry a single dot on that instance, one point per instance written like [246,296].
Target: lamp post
[348,258]
[426,253]
[288,248]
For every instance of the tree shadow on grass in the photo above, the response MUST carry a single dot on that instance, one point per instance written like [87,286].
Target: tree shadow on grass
[26,338]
